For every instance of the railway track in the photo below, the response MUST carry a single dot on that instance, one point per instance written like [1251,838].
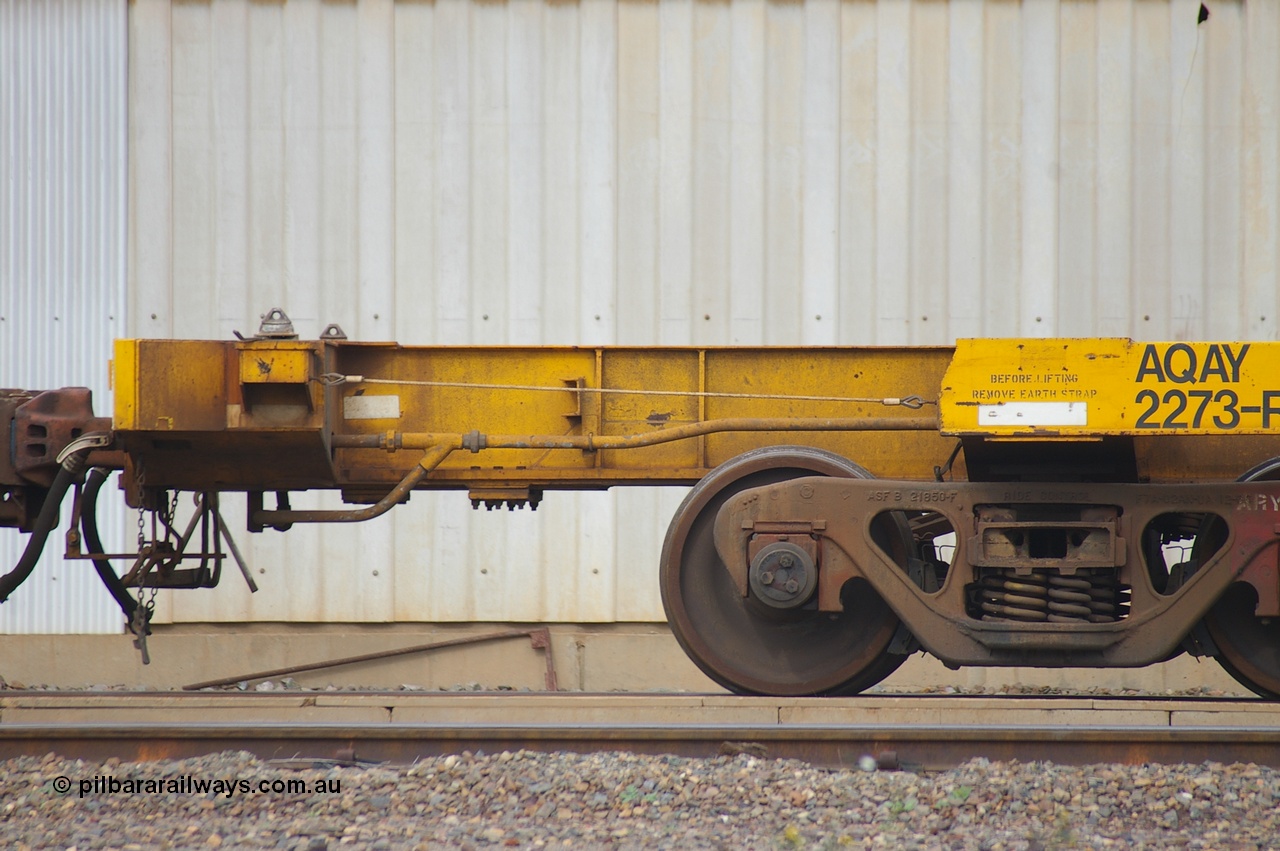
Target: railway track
[923,733]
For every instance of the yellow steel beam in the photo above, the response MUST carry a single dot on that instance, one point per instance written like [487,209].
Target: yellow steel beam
[249,415]
[271,414]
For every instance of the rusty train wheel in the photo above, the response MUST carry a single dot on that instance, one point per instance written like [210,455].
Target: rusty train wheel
[1248,646]
[745,646]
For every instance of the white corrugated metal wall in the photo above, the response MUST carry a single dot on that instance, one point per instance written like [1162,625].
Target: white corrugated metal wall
[679,171]
[62,252]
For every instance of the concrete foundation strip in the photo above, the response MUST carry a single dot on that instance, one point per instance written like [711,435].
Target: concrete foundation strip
[540,639]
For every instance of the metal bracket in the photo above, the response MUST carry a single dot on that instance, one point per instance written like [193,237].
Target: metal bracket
[155,564]
[275,325]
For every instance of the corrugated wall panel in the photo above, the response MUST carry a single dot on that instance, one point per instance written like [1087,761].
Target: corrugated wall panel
[671,172]
[62,261]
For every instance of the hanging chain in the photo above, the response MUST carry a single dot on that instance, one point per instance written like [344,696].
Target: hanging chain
[141,624]
[141,476]
[171,518]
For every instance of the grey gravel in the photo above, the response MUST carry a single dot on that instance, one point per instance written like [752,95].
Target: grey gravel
[620,800]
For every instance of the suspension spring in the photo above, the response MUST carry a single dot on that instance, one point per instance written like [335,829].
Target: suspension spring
[1048,596]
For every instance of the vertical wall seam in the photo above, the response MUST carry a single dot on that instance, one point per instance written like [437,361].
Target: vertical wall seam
[62,108]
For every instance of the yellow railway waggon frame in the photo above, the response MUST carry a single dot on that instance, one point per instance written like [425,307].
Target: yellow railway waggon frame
[1033,502]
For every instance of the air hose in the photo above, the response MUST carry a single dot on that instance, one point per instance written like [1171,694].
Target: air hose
[89,527]
[71,461]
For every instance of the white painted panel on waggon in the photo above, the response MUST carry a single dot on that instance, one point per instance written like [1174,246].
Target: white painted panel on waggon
[678,172]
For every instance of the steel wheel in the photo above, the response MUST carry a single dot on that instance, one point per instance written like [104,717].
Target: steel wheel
[1248,646]
[750,648]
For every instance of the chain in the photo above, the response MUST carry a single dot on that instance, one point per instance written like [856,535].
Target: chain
[140,475]
[141,624]
[172,518]
[146,608]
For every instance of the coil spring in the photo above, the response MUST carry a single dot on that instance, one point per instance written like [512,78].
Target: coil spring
[1044,595]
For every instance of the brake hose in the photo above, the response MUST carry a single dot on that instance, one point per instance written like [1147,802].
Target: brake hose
[89,527]
[71,465]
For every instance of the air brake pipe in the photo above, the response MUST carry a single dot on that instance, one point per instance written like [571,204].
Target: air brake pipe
[434,455]
[71,464]
[475,441]
[440,446]
[89,527]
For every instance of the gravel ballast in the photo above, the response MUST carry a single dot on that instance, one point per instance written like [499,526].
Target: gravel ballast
[620,800]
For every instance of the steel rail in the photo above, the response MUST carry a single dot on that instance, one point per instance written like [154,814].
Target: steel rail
[918,747]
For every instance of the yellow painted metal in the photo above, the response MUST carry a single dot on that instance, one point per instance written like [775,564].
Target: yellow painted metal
[168,385]
[566,417]
[1092,387]
[276,363]
[619,392]
[124,384]
[355,416]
